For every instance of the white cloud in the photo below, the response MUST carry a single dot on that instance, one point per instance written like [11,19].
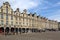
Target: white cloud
[25,5]
[22,4]
[56,16]
[58,3]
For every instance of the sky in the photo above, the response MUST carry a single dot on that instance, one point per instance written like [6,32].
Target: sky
[46,8]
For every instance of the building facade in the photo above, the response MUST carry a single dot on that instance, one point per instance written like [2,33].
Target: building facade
[15,21]
[59,26]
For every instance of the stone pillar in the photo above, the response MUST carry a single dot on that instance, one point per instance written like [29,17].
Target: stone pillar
[20,30]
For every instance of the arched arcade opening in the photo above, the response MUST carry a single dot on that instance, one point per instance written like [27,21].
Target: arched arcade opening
[7,30]
[1,29]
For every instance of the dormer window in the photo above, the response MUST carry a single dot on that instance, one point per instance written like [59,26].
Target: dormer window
[16,13]
[11,12]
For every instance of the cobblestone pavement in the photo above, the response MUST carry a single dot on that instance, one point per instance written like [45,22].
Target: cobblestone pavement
[33,36]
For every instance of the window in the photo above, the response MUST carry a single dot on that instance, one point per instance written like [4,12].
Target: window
[6,22]
[11,23]
[16,22]
[6,12]
[11,17]
[12,12]
[1,10]
[23,23]
[1,16]
[6,17]
[7,9]
[19,22]
[19,19]
[2,22]
[27,23]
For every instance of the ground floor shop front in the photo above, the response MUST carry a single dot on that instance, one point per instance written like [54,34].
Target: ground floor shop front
[14,30]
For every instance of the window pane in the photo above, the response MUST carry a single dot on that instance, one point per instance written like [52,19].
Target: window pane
[6,22]
[1,16]
[6,17]
[11,23]
[11,17]
[7,9]
[2,22]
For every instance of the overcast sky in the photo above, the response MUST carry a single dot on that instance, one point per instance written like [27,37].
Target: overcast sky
[45,8]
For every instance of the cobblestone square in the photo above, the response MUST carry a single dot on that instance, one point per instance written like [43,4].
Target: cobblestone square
[33,36]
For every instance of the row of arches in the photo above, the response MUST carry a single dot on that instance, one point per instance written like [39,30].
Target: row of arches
[12,30]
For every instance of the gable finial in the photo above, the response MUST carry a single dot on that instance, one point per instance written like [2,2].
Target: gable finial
[24,10]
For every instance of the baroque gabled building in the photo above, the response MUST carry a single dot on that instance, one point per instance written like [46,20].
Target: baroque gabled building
[17,22]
